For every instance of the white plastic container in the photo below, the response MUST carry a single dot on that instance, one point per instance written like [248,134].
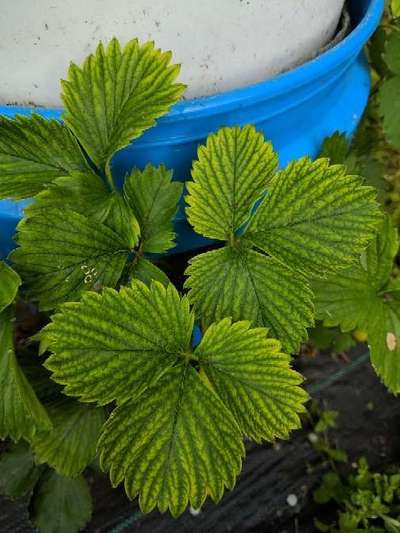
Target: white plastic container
[221,44]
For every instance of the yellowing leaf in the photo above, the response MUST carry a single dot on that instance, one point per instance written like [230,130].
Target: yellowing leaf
[63,254]
[395,5]
[253,379]
[153,197]
[33,153]
[83,192]
[315,217]
[231,173]
[117,94]
[173,445]
[245,284]
[111,346]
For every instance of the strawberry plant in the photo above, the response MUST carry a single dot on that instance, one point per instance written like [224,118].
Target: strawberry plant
[118,375]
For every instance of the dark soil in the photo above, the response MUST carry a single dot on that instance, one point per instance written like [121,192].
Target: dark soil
[368,425]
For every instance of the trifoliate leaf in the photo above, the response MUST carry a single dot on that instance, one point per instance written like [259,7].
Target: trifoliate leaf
[315,218]
[111,346]
[117,94]
[247,285]
[146,271]
[33,152]
[18,471]
[173,445]
[389,103]
[392,52]
[351,298]
[71,445]
[336,148]
[9,284]
[154,198]
[231,173]
[21,413]
[361,297]
[253,379]
[85,193]
[61,504]
[171,438]
[63,254]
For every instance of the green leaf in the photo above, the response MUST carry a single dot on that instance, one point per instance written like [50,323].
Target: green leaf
[71,445]
[173,445]
[61,504]
[117,94]
[21,413]
[331,489]
[323,338]
[253,379]
[247,285]
[38,376]
[62,254]
[146,271]
[376,49]
[154,197]
[315,218]
[389,103]
[123,341]
[83,192]
[231,173]
[122,220]
[392,52]
[18,471]
[384,342]
[352,297]
[395,5]
[363,297]
[33,152]
[9,285]
[87,194]
[336,148]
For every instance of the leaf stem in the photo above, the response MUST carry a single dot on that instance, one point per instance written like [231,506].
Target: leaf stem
[130,265]
[109,177]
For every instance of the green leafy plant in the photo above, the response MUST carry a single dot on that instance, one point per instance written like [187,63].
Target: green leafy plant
[57,503]
[366,501]
[362,500]
[365,297]
[118,375]
[320,438]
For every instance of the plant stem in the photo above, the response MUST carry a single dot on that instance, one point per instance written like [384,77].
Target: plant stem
[109,177]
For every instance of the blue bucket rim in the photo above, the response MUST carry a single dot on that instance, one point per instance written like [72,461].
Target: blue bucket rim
[344,51]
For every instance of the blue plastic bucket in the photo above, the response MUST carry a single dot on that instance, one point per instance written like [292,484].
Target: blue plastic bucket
[295,110]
